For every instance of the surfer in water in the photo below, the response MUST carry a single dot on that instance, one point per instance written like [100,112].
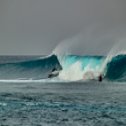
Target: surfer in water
[100,78]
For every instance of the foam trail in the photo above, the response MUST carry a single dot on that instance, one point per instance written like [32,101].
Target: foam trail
[54,80]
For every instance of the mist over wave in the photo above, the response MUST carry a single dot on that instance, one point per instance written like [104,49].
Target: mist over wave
[89,67]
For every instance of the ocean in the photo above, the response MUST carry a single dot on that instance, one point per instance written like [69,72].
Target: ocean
[29,98]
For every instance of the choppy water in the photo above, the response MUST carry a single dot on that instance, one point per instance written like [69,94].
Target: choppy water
[63,104]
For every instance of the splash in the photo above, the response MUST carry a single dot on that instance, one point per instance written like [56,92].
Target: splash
[72,73]
[80,67]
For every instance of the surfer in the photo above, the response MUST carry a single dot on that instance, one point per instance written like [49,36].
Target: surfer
[100,78]
[54,73]
[54,69]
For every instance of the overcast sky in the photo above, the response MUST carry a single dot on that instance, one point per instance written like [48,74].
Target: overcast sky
[35,27]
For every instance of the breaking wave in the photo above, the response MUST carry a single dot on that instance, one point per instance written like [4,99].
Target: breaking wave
[70,67]
[90,67]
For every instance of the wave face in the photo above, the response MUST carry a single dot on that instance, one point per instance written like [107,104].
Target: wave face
[33,69]
[116,69]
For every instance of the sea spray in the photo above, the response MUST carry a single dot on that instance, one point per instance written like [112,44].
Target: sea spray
[118,49]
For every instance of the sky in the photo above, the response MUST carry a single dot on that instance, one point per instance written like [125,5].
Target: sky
[36,27]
